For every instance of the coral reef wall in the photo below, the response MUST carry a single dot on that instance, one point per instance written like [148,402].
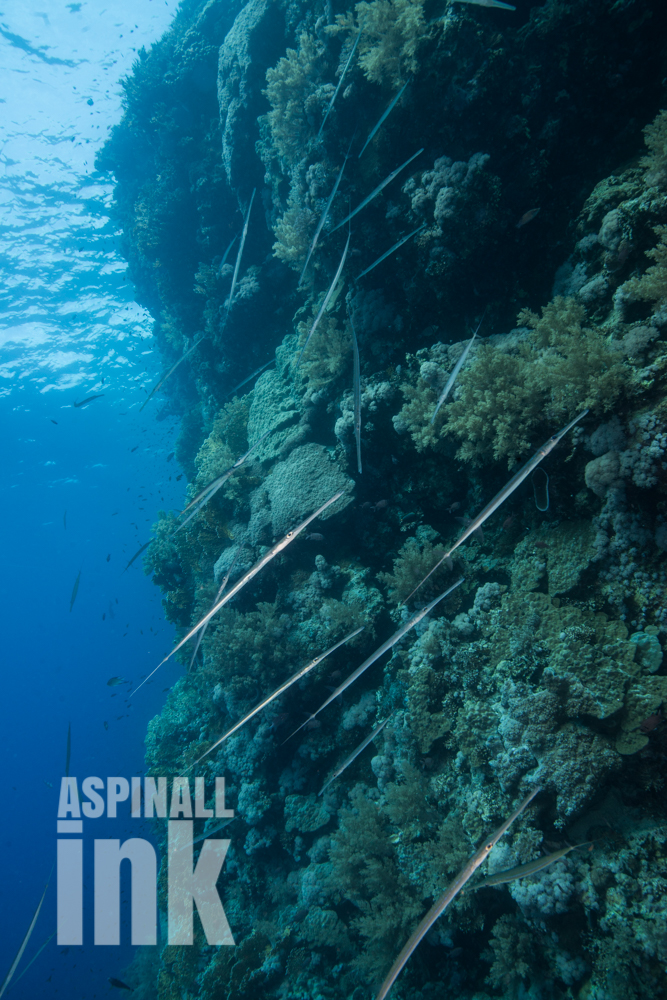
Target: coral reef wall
[539,200]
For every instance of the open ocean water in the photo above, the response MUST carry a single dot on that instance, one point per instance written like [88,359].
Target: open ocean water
[80,486]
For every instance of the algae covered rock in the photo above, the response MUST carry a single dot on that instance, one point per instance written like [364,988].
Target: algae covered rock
[294,489]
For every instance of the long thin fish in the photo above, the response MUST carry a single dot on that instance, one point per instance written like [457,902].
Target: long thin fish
[84,402]
[326,301]
[75,591]
[248,377]
[221,590]
[457,368]
[137,554]
[171,371]
[342,77]
[19,954]
[259,565]
[209,833]
[323,217]
[530,868]
[353,756]
[357,393]
[377,190]
[454,889]
[405,628]
[279,690]
[238,258]
[226,253]
[209,491]
[384,117]
[388,253]
[489,3]
[68,753]
[33,959]
[506,491]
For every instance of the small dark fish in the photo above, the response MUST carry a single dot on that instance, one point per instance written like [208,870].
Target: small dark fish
[75,591]
[178,478]
[314,536]
[652,722]
[452,507]
[106,725]
[54,421]
[115,681]
[527,217]
[108,557]
[170,456]
[104,615]
[119,985]
[84,402]
[381,504]
[508,522]
[65,520]
[134,449]
[541,545]
[136,555]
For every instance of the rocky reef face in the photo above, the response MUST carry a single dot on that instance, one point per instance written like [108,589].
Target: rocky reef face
[541,193]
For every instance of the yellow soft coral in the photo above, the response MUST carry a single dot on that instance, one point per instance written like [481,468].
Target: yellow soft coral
[392,31]
[289,84]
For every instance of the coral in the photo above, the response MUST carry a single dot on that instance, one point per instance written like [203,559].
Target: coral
[416,557]
[290,84]
[294,489]
[551,372]
[391,33]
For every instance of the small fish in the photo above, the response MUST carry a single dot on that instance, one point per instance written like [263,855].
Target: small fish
[108,557]
[48,783]
[75,591]
[84,402]
[508,522]
[104,614]
[314,536]
[527,217]
[381,504]
[134,449]
[119,985]
[137,554]
[65,520]
[105,724]
[115,681]
[453,506]
[54,422]
[170,456]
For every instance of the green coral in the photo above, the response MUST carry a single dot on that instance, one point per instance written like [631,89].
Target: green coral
[290,84]
[392,31]
[553,371]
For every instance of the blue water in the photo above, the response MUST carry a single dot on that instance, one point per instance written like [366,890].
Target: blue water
[80,487]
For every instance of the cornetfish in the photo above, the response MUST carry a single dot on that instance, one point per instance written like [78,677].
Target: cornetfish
[403,630]
[279,690]
[508,489]
[259,565]
[454,889]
